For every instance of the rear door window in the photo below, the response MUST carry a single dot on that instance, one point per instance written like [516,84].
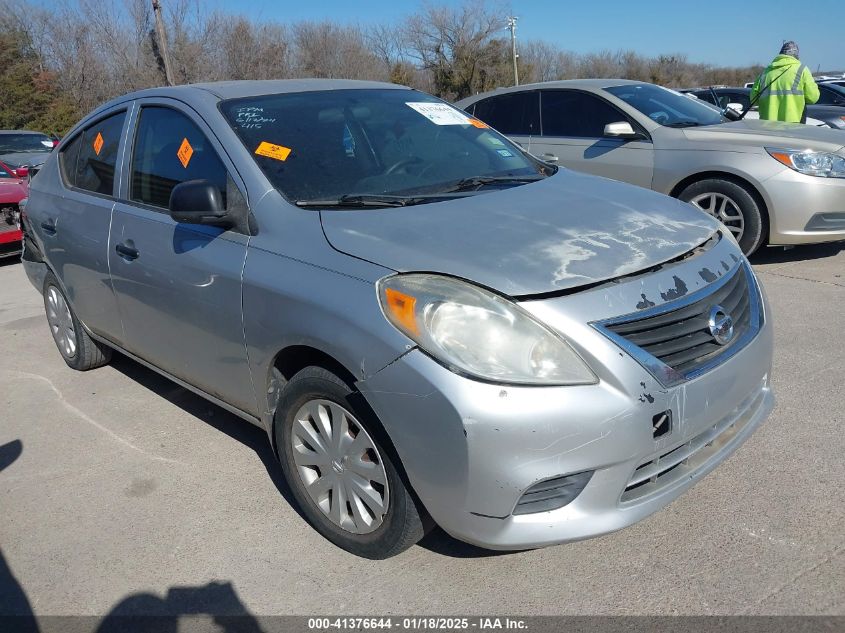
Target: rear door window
[68,155]
[576,114]
[513,113]
[97,157]
[170,149]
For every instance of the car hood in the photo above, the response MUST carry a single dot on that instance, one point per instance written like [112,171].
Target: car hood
[763,133]
[562,232]
[17,159]
[12,190]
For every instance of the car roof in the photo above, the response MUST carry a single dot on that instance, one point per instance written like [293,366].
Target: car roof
[22,132]
[254,88]
[572,83]
[583,84]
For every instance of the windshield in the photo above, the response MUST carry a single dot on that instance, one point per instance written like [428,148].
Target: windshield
[837,87]
[14,143]
[667,107]
[351,144]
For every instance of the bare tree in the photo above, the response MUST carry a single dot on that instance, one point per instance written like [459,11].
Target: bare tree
[462,47]
[94,50]
[326,49]
[545,62]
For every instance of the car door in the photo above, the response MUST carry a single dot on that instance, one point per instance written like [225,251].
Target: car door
[178,286]
[572,126]
[514,114]
[73,221]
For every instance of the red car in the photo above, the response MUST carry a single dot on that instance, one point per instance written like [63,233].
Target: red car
[12,190]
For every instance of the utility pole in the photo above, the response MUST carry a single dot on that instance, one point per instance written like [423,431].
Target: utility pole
[512,26]
[162,42]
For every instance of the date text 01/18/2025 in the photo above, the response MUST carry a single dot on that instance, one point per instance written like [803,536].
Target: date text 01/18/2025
[416,623]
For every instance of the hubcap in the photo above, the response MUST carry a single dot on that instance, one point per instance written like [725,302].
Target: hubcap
[340,466]
[61,322]
[724,209]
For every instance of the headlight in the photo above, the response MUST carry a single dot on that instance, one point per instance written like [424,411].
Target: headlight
[811,163]
[476,332]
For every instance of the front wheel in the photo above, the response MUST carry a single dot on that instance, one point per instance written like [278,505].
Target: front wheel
[340,469]
[731,204]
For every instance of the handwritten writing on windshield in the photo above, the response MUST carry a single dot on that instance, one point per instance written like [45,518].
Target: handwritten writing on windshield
[251,118]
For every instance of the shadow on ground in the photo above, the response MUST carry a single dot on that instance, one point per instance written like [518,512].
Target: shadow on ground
[13,599]
[436,541]
[138,612]
[806,252]
[216,417]
[439,542]
[147,612]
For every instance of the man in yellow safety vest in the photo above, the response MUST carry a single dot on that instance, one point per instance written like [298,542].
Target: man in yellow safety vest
[785,87]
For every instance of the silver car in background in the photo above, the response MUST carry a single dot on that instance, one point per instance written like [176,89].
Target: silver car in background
[430,325]
[768,182]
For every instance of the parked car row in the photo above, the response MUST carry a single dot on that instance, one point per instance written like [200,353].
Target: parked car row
[432,325]
[768,182]
[740,99]
[20,151]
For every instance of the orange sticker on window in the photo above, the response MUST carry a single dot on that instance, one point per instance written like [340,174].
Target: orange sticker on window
[98,143]
[478,123]
[185,152]
[279,152]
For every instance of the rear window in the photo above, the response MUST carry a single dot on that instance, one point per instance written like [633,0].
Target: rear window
[97,158]
[382,141]
[512,113]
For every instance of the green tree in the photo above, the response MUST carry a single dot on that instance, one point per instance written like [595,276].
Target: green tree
[30,99]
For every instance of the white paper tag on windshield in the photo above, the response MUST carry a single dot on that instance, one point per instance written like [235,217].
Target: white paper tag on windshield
[439,113]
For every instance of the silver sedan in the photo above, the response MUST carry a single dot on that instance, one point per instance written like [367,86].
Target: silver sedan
[430,325]
[768,182]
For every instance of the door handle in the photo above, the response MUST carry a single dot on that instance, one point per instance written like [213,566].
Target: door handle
[550,158]
[127,250]
[49,227]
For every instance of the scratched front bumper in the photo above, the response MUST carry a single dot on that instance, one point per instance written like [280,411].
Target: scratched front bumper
[472,449]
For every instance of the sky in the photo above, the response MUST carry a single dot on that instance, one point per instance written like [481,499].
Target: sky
[719,32]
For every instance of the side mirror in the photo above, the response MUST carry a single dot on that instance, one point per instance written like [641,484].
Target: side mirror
[736,107]
[621,129]
[198,202]
[22,171]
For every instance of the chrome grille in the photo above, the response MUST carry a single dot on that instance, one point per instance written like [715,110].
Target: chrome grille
[674,341]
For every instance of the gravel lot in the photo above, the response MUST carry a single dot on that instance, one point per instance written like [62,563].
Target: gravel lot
[131,491]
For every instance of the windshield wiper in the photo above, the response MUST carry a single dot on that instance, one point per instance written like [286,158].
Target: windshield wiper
[364,200]
[683,124]
[479,181]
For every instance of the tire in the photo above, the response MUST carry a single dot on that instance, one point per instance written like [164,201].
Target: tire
[741,212]
[78,350]
[310,462]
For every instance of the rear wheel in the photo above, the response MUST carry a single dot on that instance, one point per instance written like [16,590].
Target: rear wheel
[733,205]
[78,350]
[341,470]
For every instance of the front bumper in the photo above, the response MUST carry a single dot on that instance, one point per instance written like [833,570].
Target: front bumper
[798,205]
[471,449]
